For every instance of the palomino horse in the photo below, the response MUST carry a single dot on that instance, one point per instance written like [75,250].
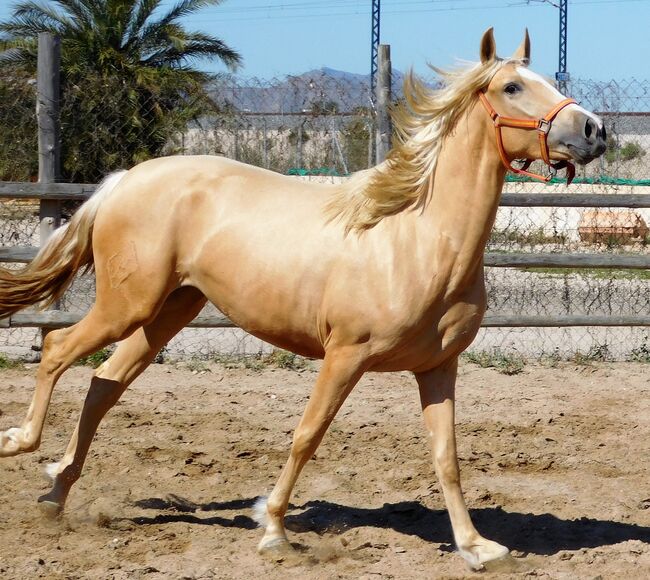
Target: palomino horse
[381,273]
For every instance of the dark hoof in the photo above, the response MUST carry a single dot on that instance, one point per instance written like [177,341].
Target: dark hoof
[49,509]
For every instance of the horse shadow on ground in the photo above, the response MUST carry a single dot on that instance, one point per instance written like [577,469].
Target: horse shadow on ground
[542,534]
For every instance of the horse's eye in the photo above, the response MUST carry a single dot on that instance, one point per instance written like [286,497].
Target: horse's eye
[512,88]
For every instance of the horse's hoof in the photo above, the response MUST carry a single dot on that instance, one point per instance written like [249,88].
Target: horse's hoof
[277,550]
[10,442]
[503,565]
[484,554]
[50,509]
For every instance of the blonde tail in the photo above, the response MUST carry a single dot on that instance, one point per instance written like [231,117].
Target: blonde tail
[50,273]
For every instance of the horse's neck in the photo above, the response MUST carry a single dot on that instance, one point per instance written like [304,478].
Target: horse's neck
[455,223]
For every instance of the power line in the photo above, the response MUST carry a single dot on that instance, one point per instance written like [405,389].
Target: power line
[350,8]
[353,12]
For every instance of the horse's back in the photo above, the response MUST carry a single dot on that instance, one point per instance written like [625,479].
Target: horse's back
[205,194]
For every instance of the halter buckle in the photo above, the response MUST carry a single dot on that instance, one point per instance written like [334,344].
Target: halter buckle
[544,126]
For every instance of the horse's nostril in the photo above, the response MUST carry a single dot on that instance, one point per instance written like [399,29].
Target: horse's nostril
[589,127]
[602,133]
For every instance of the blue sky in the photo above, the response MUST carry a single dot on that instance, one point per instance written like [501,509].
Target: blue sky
[608,39]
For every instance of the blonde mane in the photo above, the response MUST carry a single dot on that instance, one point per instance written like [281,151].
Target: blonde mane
[420,124]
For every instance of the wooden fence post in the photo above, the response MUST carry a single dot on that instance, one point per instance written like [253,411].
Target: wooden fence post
[383,100]
[49,133]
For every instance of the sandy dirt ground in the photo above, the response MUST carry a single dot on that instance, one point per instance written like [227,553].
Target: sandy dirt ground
[555,463]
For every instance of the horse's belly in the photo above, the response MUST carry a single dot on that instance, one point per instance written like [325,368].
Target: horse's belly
[284,325]
[274,296]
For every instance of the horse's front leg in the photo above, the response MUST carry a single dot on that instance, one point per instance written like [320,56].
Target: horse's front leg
[437,389]
[341,370]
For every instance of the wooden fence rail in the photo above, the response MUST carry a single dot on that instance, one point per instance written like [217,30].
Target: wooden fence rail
[59,319]
[80,192]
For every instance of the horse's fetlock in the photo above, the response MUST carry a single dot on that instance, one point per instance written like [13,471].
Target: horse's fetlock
[31,444]
[275,509]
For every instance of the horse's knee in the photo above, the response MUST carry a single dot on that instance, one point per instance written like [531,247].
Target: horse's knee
[51,349]
[304,439]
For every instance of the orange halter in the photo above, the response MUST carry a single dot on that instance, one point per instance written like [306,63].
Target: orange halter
[542,126]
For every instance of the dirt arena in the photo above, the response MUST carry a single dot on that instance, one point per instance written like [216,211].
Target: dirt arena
[555,462]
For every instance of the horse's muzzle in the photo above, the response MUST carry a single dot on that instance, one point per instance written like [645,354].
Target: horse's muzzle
[591,144]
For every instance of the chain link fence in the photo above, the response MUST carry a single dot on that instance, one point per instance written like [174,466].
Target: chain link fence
[323,124]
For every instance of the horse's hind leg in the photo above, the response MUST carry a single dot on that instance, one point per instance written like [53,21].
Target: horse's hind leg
[120,308]
[437,389]
[342,368]
[60,349]
[131,357]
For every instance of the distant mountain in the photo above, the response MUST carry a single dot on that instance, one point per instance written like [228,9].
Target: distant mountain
[323,89]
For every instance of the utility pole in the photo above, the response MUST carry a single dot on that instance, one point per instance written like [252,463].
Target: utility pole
[383,99]
[374,47]
[562,76]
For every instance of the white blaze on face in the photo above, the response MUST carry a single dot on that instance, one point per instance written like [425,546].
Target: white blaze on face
[529,75]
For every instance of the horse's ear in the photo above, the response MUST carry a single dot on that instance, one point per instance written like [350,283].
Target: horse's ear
[523,52]
[488,46]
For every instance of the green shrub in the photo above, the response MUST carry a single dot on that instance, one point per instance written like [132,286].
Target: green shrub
[626,152]
[597,353]
[95,359]
[507,364]
[9,363]
[642,353]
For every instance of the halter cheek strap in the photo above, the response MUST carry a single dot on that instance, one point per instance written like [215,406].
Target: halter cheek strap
[542,126]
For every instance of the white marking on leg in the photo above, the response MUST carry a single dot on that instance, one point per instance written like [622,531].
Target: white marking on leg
[259,511]
[52,470]
[15,435]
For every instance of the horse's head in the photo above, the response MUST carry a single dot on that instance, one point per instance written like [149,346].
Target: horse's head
[533,119]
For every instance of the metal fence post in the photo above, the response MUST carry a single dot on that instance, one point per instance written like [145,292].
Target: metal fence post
[49,142]
[383,99]
[299,147]
[265,143]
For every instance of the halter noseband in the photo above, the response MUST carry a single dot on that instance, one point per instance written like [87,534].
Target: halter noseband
[542,126]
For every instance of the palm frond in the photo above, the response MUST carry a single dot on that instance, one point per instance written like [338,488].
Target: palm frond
[41,12]
[139,17]
[186,8]
[172,45]
[80,12]
[23,57]
[185,50]
[28,27]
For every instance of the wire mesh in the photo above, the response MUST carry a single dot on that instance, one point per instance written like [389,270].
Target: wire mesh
[321,123]
[18,130]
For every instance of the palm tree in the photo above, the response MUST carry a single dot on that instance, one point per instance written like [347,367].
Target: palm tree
[128,74]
